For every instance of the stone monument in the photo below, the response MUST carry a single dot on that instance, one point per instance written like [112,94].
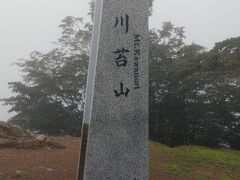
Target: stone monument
[115,128]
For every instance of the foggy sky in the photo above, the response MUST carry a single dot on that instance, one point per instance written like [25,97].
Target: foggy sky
[28,25]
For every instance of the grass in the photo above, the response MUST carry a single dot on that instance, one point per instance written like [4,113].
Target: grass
[193,162]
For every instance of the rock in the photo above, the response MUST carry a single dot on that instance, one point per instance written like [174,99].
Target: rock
[10,131]
[13,136]
[30,132]
[20,172]
[49,169]
[41,138]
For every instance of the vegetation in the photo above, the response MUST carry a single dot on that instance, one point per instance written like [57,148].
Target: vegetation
[194,93]
[50,97]
[193,162]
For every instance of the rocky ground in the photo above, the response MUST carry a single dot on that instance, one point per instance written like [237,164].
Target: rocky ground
[12,136]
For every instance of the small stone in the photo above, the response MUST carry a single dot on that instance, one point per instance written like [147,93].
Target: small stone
[48,148]
[41,138]
[49,169]
[19,172]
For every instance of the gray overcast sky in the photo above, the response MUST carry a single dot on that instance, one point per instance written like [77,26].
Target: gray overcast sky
[27,25]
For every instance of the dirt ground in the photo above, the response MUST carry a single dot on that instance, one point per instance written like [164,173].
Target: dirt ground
[47,164]
[52,164]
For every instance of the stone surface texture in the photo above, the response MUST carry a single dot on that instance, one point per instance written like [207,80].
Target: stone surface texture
[118,126]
